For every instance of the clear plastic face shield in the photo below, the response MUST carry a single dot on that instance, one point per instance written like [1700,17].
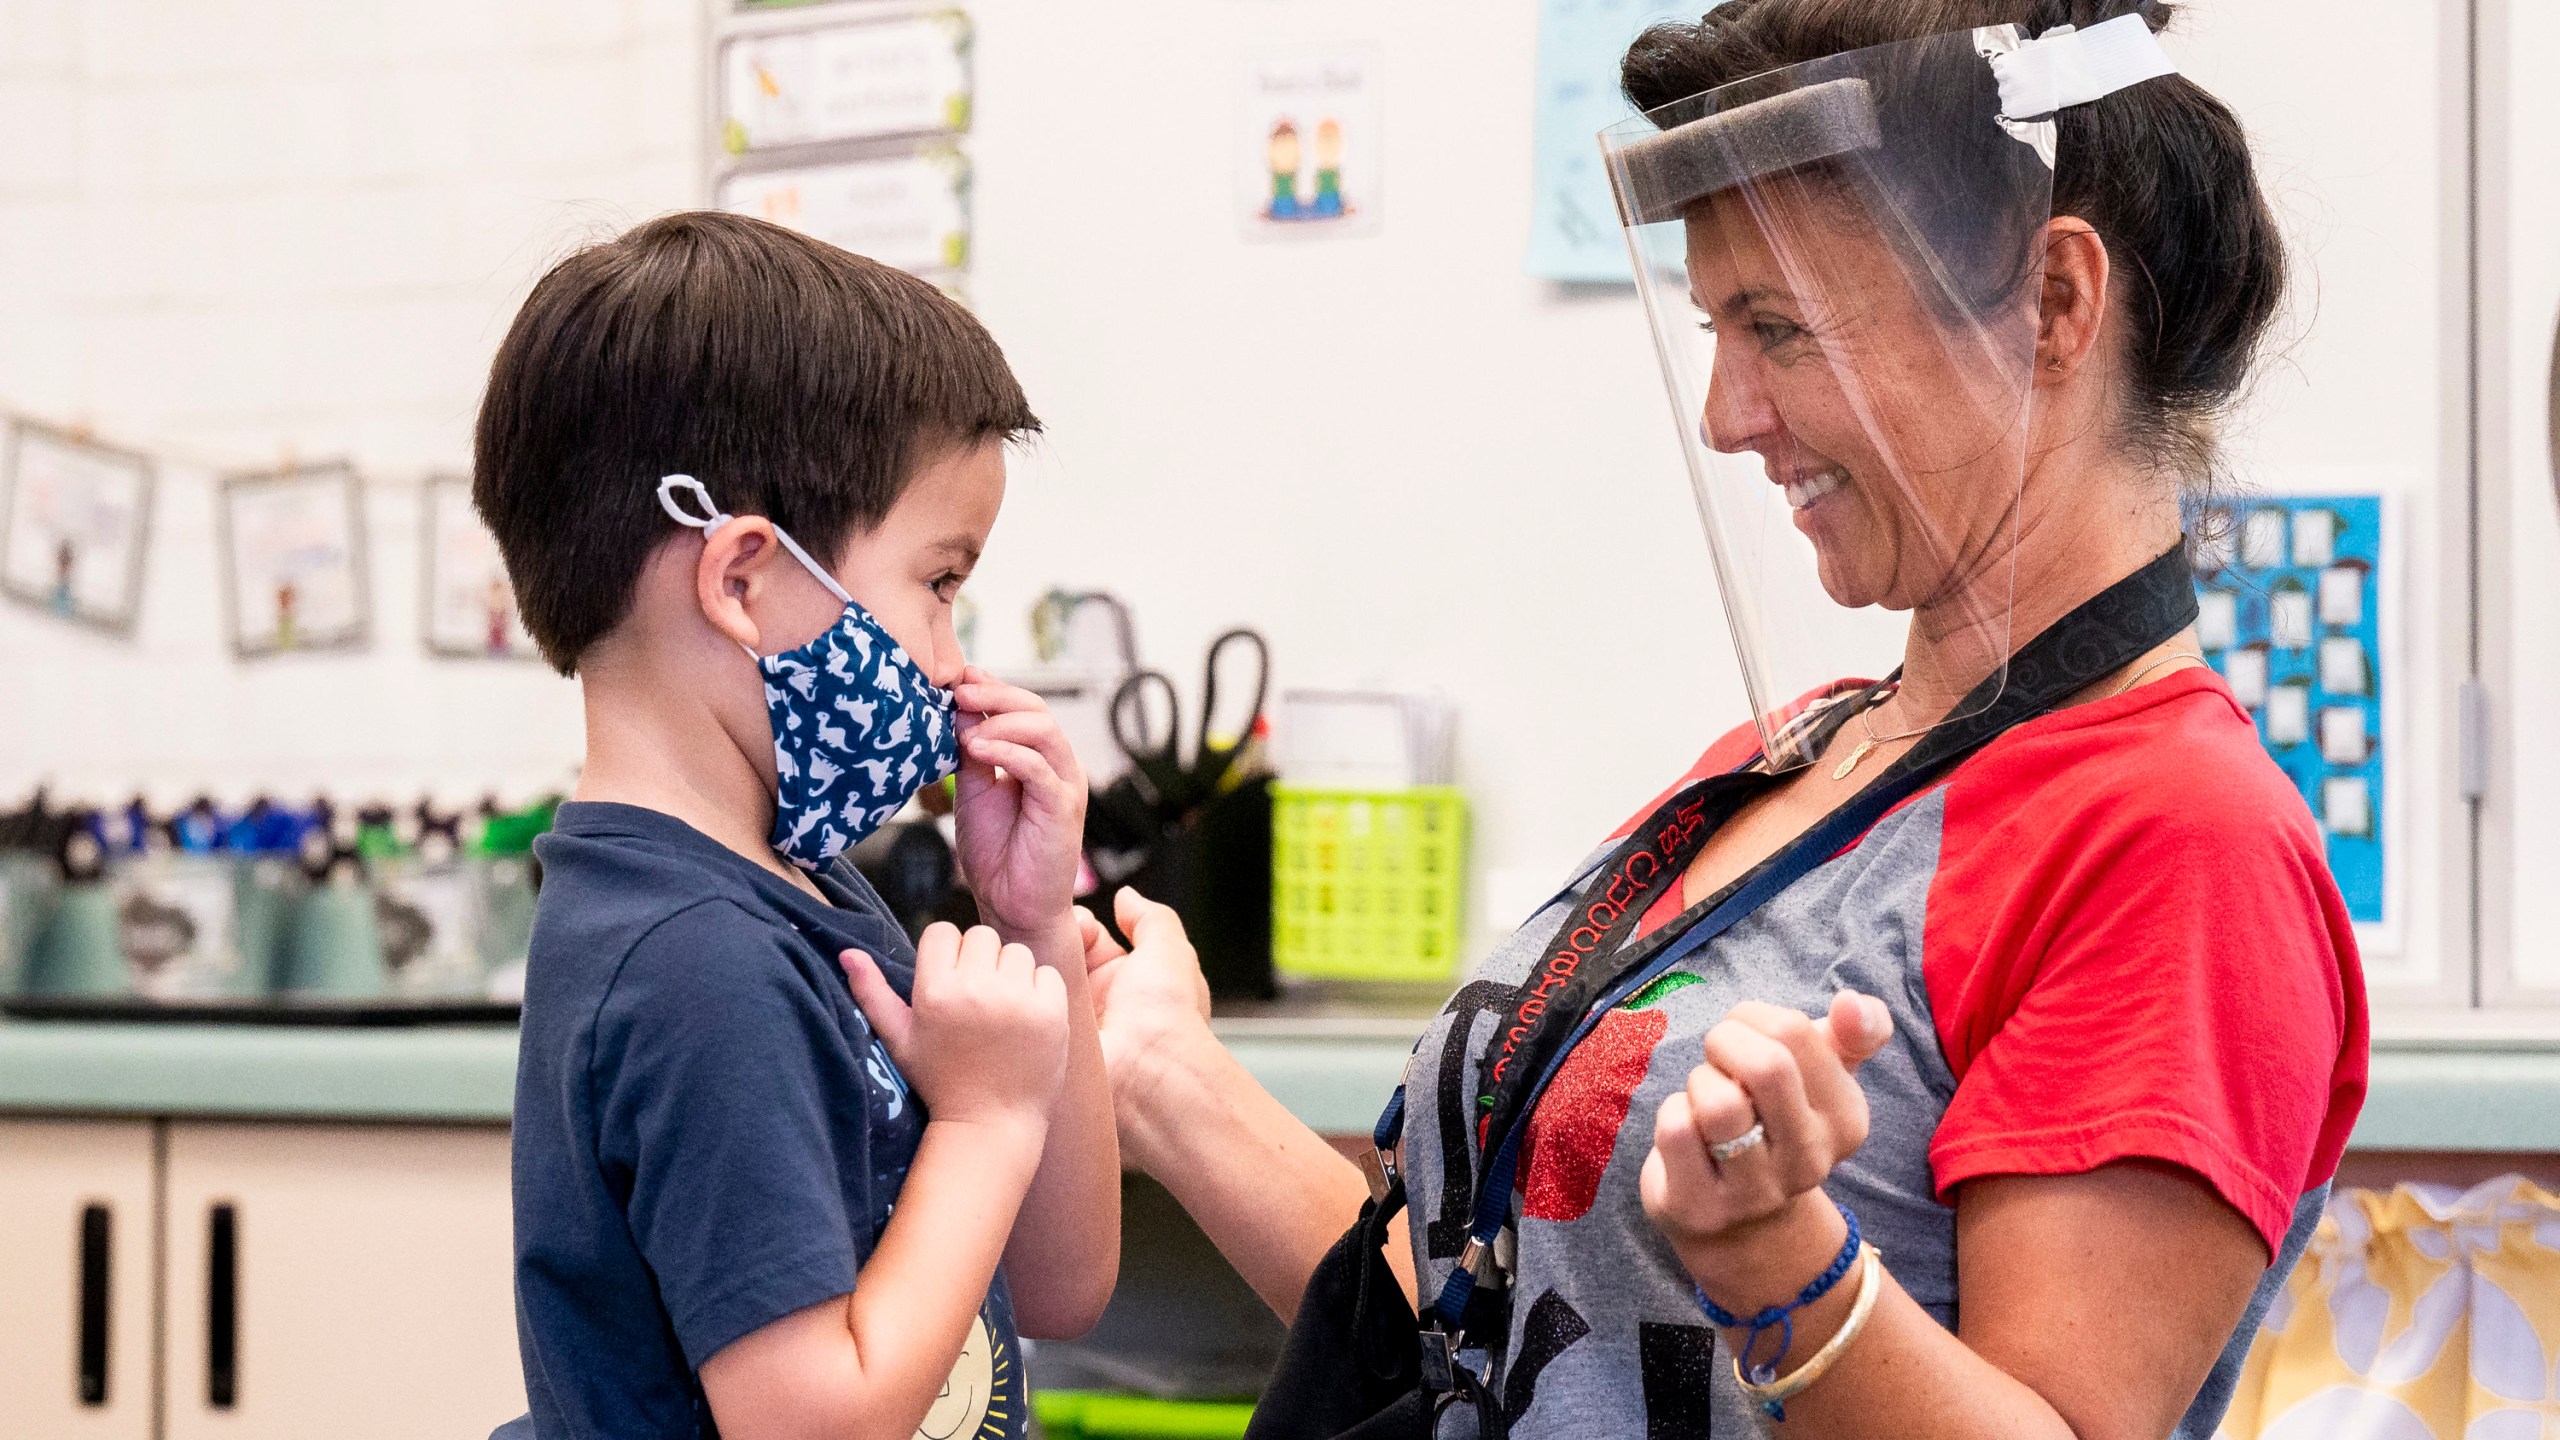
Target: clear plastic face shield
[1843,266]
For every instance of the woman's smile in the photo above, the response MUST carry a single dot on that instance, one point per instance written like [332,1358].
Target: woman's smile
[1806,490]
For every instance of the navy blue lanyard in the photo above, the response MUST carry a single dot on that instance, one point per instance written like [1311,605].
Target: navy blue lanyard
[1815,847]
[2109,631]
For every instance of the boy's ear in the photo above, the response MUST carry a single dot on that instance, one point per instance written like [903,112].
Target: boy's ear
[731,574]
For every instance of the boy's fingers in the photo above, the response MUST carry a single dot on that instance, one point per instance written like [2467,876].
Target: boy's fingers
[986,695]
[937,949]
[1023,763]
[981,948]
[1038,732]
[1015,967]
[890,1018]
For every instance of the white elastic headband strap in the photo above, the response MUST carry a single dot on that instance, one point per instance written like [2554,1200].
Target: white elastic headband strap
[2064,66]
[712,517]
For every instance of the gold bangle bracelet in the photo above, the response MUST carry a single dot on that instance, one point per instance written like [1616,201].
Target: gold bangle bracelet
[1772,1397]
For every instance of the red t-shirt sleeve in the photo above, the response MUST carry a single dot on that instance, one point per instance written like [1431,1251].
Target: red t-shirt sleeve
[2128,963]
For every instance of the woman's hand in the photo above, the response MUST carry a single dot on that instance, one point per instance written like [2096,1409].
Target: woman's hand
[1147,1000]
[1021,834]
[1768,1066]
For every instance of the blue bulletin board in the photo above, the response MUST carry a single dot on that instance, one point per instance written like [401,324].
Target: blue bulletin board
[1573,227]
[2290,593]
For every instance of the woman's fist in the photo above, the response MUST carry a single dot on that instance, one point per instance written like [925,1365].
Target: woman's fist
[1770,1067]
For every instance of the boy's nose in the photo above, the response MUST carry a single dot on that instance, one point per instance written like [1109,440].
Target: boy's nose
[944,664]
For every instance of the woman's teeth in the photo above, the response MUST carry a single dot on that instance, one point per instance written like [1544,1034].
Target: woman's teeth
[1801,493]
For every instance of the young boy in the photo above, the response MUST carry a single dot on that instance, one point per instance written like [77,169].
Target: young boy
[739,476]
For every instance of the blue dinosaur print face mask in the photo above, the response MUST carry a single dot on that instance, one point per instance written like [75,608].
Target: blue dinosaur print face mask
[857,728]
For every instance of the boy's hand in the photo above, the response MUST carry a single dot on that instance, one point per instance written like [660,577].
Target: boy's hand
[1021,833]
[985,1040]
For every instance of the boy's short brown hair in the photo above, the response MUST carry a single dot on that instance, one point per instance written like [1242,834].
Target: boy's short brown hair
[795,380]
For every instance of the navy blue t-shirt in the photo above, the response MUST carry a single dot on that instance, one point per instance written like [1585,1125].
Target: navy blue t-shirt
[707,1135]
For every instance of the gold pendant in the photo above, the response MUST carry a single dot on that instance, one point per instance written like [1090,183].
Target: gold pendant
[1865,748]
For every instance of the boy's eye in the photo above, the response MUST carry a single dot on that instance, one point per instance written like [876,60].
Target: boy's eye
[946,587]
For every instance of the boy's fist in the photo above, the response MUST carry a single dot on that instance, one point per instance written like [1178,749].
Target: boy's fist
[985,1038]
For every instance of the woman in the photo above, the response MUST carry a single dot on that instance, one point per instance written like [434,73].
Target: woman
[2058,1000]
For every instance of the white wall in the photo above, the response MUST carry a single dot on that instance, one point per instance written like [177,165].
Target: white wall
[2522,540]
[234,225]
[230,229]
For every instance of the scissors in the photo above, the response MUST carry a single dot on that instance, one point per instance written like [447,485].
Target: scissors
[1155,752]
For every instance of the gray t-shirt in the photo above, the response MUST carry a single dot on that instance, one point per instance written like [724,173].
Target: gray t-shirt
[1606,1338]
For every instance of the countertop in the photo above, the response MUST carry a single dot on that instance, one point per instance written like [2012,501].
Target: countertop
[2447,1091]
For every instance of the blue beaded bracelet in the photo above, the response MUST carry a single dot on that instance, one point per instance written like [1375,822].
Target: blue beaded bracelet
[1782,1318]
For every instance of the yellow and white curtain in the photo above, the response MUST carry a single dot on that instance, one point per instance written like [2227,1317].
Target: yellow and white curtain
[2424,1313]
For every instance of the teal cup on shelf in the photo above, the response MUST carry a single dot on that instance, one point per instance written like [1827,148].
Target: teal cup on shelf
[27,887]
[269,897]
[78,954]
[334,951]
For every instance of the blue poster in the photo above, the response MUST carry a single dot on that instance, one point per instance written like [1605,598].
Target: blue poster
[2289,591]
[1573,225]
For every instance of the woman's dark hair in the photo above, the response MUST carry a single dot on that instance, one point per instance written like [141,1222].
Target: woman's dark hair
[2161,170]
[797,381]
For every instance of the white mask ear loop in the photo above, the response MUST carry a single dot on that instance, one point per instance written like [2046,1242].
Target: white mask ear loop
[712,517]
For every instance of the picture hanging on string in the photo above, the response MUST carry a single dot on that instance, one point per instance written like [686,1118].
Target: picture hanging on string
[470,608]
[75,517]
[293,560]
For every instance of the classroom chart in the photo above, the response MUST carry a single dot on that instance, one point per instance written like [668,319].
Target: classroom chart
[2289,598]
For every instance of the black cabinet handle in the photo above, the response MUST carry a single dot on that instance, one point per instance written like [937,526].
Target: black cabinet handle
[222,1309]
[97,1231]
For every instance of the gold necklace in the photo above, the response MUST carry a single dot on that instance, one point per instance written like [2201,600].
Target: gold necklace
[1869,745]
[1873,741]
[2154,665]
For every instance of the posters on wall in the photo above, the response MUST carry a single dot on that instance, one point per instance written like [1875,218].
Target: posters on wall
[844,82]
[1573,228]
[470,608]
[293,560]
[847,122]
[74,519]
[2289,596]
[1310,158]
[908,211]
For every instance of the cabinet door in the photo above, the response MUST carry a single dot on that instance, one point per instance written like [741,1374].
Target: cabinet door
[76,1262]
[2520,482]
[329,1281]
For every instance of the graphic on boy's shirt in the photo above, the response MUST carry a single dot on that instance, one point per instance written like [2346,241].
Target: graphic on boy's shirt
[983,1398]
[885,1077]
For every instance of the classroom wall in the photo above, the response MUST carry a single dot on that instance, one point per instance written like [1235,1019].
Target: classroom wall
[246,225]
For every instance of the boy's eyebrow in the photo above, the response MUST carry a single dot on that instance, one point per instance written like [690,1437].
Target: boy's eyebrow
[959,547]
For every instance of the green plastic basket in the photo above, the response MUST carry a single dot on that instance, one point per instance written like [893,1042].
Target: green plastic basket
[1368,884]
